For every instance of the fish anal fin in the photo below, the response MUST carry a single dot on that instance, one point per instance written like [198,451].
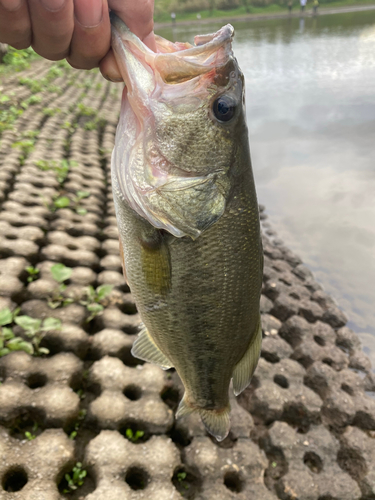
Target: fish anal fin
[145,348]
[216,422]
[244,369]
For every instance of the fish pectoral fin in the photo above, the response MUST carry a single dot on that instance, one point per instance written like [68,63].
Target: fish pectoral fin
[216,422]
[156,263]
[145,348]
[187,206]
[244,369]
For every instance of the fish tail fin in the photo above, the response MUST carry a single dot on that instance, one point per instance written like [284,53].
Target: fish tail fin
[216,422]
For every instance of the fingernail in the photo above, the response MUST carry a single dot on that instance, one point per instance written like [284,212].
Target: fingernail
[52,5]
[11,5]
[89,13]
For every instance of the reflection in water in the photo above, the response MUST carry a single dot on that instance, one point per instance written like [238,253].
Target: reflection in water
[311,115]
[301,24]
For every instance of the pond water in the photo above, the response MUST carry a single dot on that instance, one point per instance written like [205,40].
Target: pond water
[310,88]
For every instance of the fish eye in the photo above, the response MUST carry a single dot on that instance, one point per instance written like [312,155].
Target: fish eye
[224,108]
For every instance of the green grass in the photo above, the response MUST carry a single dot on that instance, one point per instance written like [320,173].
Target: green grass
[270,9]
[17,60]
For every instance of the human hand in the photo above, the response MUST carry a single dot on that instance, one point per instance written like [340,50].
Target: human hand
[78,30]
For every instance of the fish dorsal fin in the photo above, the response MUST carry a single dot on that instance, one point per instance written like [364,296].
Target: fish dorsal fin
[244,369]
[145,348]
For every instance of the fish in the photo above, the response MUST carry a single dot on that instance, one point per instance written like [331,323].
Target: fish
[188,215]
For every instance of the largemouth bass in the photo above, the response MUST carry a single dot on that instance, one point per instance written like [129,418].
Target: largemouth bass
[187,214]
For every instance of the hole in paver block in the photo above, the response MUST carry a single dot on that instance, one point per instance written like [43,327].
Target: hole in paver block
[233,482]
[133,392]
[137,478]
[14,479]
[72,247]
[352,463]
[277,467]
[36,380]
[186,482]
[281,381]
[180,437]
[313,462]
[327,361]
[171,397]
[319,340]
[128,307]
[10,236]
[347,389]
[29,425]
[128,359]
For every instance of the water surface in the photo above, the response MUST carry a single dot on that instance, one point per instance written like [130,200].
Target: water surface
[310,86]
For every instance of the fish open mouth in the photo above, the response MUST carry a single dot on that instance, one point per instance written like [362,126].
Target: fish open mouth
[174,62]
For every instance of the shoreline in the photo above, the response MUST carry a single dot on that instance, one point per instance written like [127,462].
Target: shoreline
[259,17]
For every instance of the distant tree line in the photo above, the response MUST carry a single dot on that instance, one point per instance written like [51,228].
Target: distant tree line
[162,6]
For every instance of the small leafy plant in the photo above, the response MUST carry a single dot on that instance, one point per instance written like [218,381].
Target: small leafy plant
[35,329]
[26,144]
[33,273]
[61,168]
[77,425]
[31,435]
[76,478]
[73,202]
[79,196]
[133,436]
[93,300]
[60,273]
[181,476]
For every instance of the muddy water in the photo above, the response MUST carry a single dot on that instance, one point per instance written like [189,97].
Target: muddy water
[310,87]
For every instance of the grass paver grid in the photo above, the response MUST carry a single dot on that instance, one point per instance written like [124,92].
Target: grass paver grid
[87,420]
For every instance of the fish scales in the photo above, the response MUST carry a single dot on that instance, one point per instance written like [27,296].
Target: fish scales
[189,226]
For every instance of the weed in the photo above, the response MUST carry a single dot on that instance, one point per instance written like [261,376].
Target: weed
[51,111]
[54,89]
[93,300]
[60,273]
[33,85]
[26,144]
[76,478]
[84,110]
[19,59]
[79,196]
[34,329]
[70,127]
[33,273]
[181,476]
[54,72]
[61,169]
[77,425]
[133,436]
[30,435]
[8,116]
[30,101]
